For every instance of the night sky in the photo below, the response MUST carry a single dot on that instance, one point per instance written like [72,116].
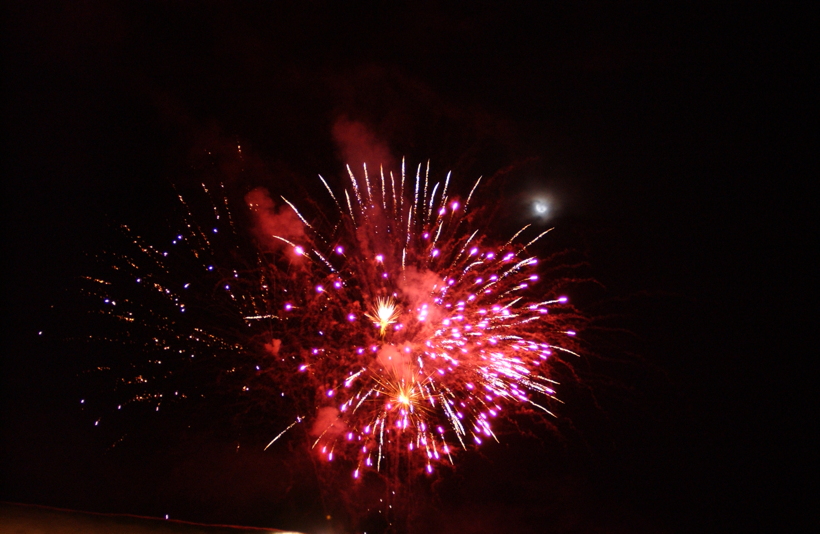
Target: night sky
[673,140]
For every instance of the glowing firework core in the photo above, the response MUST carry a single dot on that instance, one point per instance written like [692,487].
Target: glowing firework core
[385,313]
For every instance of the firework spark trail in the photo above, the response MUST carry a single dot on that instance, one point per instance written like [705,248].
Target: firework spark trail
[395,333]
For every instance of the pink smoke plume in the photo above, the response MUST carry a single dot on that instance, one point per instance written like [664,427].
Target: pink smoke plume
[272,221]
[357,144]
[396,362]
[327,423]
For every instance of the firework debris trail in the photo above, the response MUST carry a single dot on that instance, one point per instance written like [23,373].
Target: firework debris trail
[399,331]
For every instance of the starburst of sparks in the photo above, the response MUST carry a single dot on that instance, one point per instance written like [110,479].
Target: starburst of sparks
[385,312]
[397,330]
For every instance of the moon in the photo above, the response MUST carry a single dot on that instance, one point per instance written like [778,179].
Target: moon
[541,208]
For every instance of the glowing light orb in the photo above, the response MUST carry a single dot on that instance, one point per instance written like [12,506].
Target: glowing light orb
[541,208]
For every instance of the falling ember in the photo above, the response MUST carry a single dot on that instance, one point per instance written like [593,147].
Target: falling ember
[466,326]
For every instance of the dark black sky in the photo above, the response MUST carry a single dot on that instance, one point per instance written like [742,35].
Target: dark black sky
[674,136]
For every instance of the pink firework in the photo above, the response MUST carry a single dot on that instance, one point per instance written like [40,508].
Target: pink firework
[395,331]
[415,333]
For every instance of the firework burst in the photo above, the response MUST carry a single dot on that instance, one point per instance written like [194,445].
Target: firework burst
[396,331]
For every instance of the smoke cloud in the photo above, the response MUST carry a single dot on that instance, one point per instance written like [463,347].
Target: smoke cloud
[417,285]
[271,221]
[357,144]
[327,422]
[273,347]
[396,361]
